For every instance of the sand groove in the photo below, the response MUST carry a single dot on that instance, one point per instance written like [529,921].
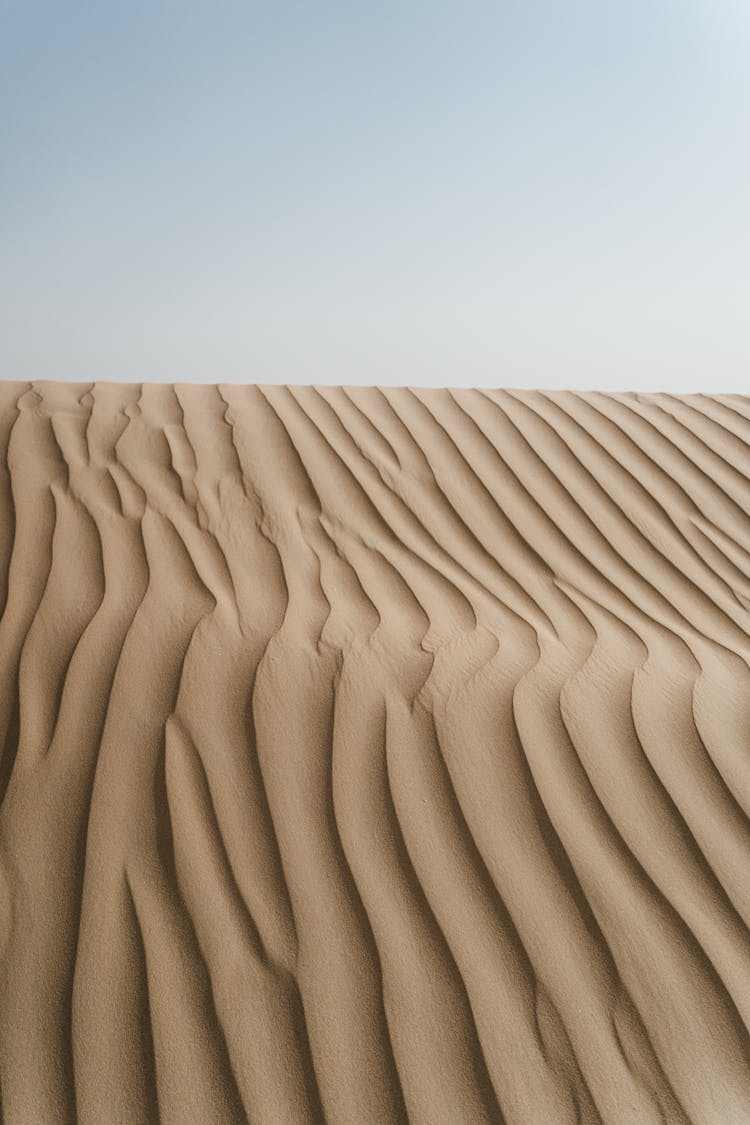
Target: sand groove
[373,756]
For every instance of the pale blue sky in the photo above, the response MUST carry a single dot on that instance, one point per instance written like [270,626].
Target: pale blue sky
[535,193]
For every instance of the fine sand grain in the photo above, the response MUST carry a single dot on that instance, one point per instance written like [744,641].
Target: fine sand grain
[373,756]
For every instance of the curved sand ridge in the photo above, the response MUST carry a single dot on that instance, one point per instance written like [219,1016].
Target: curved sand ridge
[373,756]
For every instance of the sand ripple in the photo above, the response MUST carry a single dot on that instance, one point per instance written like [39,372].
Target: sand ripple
[373,756]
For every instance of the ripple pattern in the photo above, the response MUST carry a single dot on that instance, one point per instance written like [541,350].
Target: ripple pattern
[372,756]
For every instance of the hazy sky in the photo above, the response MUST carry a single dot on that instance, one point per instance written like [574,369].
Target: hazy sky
[536,193]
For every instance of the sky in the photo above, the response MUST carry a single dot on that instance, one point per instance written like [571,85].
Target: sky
[533,193]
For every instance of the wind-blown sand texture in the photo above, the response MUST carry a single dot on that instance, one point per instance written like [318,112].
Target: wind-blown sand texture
[373,756]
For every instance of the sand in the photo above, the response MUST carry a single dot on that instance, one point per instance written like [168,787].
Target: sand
[373,756]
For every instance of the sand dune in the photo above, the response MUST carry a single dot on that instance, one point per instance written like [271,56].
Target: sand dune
[373,756]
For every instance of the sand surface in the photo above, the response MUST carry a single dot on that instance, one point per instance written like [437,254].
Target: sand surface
[373,756]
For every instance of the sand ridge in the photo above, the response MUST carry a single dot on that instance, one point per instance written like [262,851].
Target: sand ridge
[373,756]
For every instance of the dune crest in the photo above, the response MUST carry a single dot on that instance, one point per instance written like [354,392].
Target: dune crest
[373,756]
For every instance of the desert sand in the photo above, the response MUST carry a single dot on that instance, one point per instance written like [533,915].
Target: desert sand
[373,756]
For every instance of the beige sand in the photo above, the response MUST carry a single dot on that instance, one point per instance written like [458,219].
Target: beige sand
[373,756]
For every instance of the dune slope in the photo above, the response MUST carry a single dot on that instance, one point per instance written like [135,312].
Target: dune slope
[373,756]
